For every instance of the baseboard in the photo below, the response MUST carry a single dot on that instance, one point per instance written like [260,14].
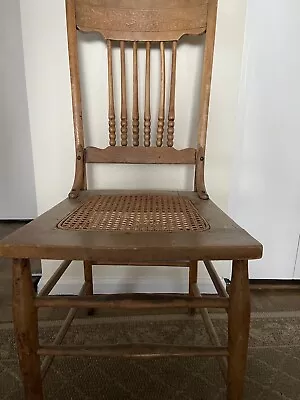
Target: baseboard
[149,285]
[274,284]
[16,220]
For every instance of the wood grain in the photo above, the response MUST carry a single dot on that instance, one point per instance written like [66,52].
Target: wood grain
[135,103]
[238,329]
[111,101]
[80,173]
[26,329]
[142,20]
[148,350]
[79,179]
[123,96]
[161,112]
[225,240]
[205,97]
[132,301]
[88,277]
[164,263]
[171,115]
[147,113]
[140,155]
[193,277]
[88,280]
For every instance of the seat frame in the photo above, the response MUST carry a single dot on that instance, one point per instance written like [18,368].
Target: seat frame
[233,357]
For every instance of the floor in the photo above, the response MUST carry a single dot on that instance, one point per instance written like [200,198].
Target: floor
[272,374]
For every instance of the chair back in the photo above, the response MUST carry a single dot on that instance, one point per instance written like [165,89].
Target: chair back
[141,24]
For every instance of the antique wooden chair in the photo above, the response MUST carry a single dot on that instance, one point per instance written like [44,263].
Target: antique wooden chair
[135,227]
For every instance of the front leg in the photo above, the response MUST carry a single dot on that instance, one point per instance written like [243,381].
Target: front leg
[238,329]
[26,329]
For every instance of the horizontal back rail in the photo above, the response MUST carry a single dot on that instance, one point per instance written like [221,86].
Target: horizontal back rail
[140,155]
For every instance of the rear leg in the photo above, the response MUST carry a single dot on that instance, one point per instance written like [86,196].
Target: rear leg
[193,277]
[88,278]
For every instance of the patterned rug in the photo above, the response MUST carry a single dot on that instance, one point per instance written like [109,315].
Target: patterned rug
[273,364]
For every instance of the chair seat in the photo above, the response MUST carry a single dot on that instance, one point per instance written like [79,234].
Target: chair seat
[122,226]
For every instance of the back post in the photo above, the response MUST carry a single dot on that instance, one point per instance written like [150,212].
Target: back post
[80,173]
[205,98]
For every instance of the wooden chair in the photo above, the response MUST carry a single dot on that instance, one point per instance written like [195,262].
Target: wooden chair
[131,227]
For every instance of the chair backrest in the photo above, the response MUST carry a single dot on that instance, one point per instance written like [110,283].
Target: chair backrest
[145,21]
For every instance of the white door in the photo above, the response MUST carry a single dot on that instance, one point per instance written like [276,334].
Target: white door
[266,189]
[297,261]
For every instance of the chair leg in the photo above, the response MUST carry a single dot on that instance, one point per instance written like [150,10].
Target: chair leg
[238,329]
[26,329]
[88,278]
[193,277]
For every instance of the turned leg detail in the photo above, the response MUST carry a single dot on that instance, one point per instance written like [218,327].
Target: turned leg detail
[238,329]
[26,329]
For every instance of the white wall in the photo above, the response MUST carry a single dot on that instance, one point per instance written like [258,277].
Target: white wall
[49,102]
[17,198]
[266,184]
[46,66]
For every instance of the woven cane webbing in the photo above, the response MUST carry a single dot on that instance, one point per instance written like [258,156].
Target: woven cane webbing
[137,213]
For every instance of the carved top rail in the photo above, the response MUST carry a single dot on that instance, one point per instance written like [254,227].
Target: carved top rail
[142,20]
